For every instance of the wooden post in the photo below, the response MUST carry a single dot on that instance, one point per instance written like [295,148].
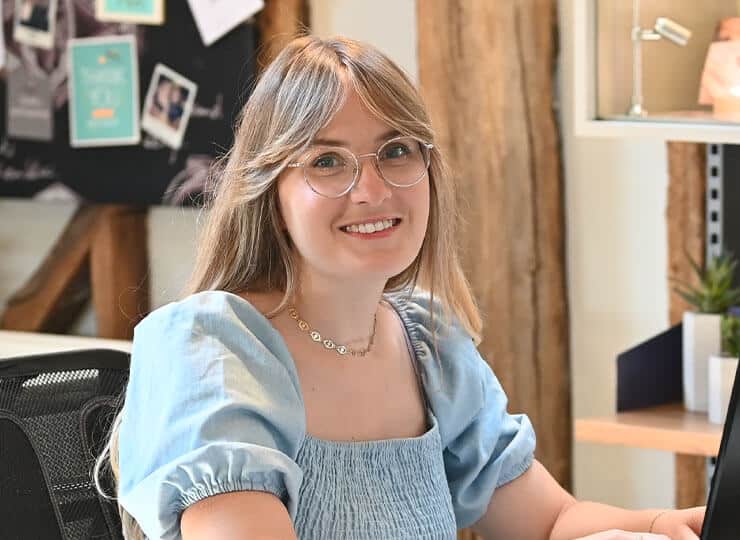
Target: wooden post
[686,217]
[278,23]
[486,72]
[119,270]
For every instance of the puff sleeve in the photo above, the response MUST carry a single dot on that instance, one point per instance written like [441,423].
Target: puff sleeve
[484,446]
[213,405]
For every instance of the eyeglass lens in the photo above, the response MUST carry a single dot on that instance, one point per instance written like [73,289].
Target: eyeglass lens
[401,162]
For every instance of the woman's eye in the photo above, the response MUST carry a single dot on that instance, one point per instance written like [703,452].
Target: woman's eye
[396,151]
[327,161]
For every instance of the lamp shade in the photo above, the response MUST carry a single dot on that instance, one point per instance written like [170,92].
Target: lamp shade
[672,31]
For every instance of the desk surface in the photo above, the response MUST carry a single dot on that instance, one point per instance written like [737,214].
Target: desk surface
[24,343]
[669,427]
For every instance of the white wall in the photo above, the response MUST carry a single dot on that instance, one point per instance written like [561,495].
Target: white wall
[617,287]
[616,258]
[390,25]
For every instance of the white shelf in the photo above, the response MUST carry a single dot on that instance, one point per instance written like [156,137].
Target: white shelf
[696,126]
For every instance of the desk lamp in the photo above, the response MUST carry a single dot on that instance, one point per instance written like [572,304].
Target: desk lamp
[663,28]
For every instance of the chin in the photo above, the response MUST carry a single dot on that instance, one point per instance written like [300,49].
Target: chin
[380,271]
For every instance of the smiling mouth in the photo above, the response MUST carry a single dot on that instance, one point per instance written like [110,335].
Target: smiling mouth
[372,227]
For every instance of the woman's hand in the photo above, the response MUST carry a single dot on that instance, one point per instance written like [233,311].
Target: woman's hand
[680,524]
[615,534]
[667,525]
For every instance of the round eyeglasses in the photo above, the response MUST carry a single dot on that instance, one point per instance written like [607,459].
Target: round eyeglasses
[332,171]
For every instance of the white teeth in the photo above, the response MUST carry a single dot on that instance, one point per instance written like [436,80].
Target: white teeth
[368,228]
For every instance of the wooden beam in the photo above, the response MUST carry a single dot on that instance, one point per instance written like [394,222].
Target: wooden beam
[686,215]
[486,71]
[57,292]
[691,485]
[278,23]
[119,270]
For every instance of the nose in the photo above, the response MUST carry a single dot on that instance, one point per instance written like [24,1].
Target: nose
[370,187]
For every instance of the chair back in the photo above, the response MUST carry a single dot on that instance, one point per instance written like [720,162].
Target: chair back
[55,415]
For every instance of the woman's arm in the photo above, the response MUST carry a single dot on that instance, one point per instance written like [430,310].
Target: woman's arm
[535,507]
[254,515]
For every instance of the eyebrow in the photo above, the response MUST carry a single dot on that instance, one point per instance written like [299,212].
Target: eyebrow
[335,142]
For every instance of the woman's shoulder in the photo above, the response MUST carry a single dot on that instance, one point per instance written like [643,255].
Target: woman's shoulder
[212,321]
[428,322]
[443,348]
[212,310]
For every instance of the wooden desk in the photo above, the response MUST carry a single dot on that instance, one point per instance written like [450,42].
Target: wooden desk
[670,428]
[25,343]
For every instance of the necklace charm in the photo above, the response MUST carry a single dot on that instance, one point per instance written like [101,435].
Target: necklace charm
[329,344]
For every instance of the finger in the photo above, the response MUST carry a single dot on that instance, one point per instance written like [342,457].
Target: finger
[611,534]
[687,534]
[695,518]
[615,534]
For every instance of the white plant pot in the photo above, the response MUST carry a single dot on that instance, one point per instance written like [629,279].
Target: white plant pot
[701,339]
[721,378]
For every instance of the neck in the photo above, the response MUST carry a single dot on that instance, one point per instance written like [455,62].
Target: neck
[341,311]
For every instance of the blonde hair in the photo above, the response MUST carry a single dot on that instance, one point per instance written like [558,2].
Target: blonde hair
[243,246]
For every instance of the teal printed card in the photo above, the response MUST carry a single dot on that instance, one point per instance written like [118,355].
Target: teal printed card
[103,91]
[135,11]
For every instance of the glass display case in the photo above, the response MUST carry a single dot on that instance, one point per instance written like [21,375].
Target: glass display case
[662,68]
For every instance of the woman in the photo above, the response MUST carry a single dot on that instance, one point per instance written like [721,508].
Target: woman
[309,388]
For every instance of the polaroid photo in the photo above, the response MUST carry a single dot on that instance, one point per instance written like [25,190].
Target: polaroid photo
[217,18]
[169,102]
[130,11]
[34,22]
[103,91]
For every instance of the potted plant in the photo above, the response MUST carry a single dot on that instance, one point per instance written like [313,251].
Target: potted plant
[711,298]
[722,369]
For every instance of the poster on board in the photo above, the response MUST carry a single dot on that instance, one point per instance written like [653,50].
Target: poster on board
[103,91]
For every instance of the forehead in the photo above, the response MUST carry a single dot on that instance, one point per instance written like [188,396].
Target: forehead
[353,123]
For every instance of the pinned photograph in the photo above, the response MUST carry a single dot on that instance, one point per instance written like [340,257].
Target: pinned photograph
[217,18]
[169,102]
[34,22]
[130,11]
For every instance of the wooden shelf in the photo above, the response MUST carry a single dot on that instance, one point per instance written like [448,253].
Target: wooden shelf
[668,427]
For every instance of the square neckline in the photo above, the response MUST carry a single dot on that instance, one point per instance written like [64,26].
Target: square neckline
[431,419]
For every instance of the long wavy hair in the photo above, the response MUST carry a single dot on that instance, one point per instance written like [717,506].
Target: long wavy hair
[243,246]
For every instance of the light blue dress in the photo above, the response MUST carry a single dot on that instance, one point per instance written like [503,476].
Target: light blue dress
[214,405]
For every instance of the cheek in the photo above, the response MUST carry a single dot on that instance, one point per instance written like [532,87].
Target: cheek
[304,213]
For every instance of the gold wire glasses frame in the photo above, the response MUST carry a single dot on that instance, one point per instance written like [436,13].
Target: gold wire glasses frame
[339,173]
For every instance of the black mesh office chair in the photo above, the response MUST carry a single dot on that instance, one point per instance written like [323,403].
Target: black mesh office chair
[55,414]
